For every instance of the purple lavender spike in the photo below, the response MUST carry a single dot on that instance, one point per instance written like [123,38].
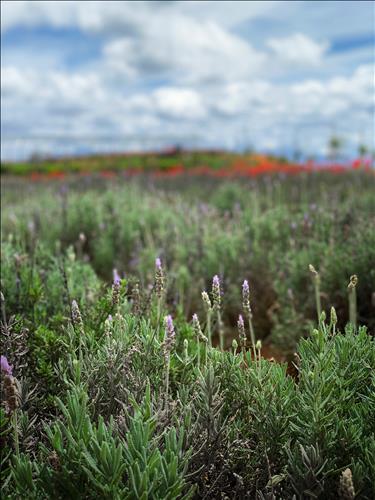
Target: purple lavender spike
[5,366]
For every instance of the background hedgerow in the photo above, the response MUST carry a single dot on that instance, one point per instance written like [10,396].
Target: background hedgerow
[111,390]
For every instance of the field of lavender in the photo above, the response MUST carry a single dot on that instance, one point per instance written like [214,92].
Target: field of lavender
[188,336]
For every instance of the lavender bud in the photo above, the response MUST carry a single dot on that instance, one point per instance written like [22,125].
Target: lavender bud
[353,282]
[346,488]
[197,329]
[313,271]
[108,326]
[186,349]
[333,316]
[206,301]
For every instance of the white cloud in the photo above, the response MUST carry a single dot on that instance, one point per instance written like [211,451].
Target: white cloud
[189,50]
[177,102]
[298,49]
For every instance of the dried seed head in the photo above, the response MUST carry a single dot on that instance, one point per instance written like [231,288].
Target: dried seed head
[159,278]
[353,282]
[11,393]
[216,294]
[169,336]
[206,301]
[333,316]
[346,488]
[241,331]
[76,316]
[136,300]
[54,460]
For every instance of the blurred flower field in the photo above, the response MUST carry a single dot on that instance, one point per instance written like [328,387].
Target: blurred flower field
[174,163]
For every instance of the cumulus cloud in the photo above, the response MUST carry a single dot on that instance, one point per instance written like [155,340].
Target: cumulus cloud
[298,49]
[188,50]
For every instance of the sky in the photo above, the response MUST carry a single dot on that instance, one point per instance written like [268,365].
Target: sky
[274,76]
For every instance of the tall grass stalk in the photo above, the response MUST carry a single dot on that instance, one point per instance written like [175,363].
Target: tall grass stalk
[353,300]
[316,281]
[247,309]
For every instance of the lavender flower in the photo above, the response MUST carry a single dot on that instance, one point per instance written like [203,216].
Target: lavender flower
[6,368]
[216,292]
[159,278]
[246,297]
[11,387]
[116,276]
[116,288]
[169,327]
[169,337]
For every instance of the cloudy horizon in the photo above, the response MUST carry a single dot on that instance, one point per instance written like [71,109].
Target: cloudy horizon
[111,76]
